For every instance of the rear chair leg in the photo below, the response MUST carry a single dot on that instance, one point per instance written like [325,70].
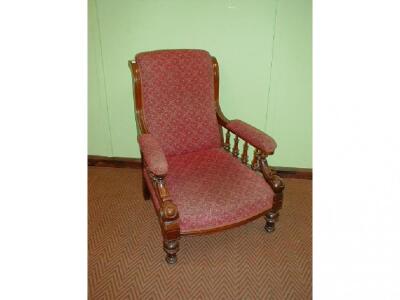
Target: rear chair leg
[146,192]
[272,215]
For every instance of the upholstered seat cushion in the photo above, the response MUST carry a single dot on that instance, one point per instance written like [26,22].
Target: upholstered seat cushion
[212,189]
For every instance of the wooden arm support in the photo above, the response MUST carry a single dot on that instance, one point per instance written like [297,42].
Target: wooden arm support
[275,182]
[277,185]
[169,215]
[169,219]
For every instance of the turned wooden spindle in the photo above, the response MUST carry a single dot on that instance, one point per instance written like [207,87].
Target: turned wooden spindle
[254,163]
[227,144]
[235,150]
[244,154]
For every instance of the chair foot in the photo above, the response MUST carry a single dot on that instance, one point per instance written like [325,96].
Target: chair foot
[171,247]
[270,218]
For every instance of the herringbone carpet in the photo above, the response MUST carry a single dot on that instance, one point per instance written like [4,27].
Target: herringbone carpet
[126,259]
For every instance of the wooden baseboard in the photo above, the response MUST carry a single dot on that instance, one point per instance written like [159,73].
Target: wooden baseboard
[287,172]
[135,163]
[114,162]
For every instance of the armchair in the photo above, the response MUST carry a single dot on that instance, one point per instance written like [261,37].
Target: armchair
[198,182]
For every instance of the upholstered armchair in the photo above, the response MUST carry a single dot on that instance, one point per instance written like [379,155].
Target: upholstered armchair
[198,182]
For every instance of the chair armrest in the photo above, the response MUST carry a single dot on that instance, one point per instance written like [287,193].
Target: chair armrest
[252,135]
[153,155]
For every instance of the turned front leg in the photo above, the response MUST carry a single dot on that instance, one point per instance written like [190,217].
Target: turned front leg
[171,231]
[276,184]
[171,247]
[270,218]
[272,215]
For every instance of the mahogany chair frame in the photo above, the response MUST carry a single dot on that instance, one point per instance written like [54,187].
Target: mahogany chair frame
[168,214]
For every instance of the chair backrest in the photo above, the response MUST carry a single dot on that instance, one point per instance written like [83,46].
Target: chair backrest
[178,106]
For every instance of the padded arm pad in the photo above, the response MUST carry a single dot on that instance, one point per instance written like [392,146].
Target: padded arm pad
[153,154]
[252,135]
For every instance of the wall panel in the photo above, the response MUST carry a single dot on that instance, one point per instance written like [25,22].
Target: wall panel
[240,34]
[289,115]
[99,139]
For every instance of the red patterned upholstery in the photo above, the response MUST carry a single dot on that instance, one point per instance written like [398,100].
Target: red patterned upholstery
[211,188]
[177,91]
[153,155]
[253,135]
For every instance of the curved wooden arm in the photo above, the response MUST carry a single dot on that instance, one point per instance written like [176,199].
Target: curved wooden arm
[137,96]
[222,120]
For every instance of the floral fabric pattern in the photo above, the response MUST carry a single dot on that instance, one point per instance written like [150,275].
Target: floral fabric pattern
[153,155]
[178,99]
[253,135]
[211,188]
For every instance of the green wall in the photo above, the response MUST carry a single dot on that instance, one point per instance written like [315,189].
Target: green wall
[264,52]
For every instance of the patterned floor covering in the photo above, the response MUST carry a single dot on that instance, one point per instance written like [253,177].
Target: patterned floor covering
[126,259]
